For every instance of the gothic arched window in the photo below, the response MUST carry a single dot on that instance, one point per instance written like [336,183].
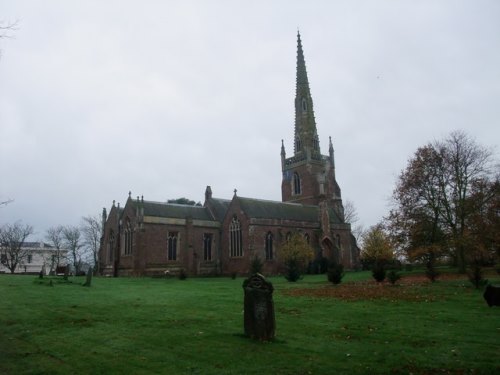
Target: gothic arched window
[235,243]
[269,246]
[207,246]
[296,184]
[111,246]
[128,237]
[172,245]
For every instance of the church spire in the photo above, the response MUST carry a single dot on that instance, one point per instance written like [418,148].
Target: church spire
[306,137]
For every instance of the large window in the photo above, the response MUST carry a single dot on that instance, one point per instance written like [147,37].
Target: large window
[129,233]
[172,245]
[269,246]
[235,245]
[296,184]
[111,246]
[207,246]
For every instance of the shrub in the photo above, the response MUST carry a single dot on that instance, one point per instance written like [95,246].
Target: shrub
[431,272]
[476,276]
[182,274]
[378,272]
[233,275]
[393,276]
[292,272]
[256,265]
[296,253]
[335,272]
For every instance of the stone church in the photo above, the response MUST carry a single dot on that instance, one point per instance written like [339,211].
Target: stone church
[224,235]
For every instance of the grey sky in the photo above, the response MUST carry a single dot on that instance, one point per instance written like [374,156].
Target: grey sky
[165,97]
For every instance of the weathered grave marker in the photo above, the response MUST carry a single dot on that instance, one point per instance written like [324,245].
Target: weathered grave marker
[259,321]
[88,281]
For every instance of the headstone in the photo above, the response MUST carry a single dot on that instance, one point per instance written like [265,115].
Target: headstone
[259,319]
[88,282]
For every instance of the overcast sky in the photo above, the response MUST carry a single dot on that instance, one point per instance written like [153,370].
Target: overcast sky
[163,98]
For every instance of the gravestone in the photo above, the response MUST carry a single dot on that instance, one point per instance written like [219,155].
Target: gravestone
[259,322]
[88,281]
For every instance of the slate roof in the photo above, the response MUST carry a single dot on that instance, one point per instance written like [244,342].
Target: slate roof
[177,211]
[218,207]
[263,209]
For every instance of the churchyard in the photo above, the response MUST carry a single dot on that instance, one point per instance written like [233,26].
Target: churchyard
[195,326]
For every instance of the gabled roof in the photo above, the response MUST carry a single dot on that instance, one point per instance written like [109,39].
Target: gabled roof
[177,211]
[218,207]
[264,209]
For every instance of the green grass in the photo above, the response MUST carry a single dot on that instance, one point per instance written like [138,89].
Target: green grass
[168,326]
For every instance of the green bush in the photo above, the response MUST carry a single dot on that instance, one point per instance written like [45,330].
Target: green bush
[476,276]
[292,271]
[431,272]
[335,272]
[378,272]
[393,276]
[182,274]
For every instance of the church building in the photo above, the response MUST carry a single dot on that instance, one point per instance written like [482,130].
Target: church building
[223,236]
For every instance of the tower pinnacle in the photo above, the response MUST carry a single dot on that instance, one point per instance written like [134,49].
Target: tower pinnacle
[306,137]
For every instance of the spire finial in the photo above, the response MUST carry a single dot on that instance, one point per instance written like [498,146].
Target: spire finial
[235,191]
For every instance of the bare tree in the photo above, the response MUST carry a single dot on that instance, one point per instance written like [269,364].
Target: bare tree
[6,28]
[56,238]
[351,216]
[12,237]
[92,231]
[350,213]
[72,240]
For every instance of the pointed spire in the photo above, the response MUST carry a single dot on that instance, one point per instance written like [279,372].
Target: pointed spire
[306,137]
[331,151]
[301,64]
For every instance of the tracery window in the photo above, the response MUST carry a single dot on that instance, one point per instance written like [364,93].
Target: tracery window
[207,246]
[235,241]
[128,238]
[111,246]
[172,245]
[269,246]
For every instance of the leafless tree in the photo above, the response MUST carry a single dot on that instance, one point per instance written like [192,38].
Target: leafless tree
[350,212]
[72,240]
[92,231]
[12,237]
[6,28]
[56,238]
[351,216]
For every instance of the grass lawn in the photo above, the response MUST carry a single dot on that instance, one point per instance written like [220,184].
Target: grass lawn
[195,326]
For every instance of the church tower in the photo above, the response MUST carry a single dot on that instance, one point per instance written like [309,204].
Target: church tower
[308,176]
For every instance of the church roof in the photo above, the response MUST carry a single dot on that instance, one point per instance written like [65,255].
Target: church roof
[264,209]
[218,207]
[178,211]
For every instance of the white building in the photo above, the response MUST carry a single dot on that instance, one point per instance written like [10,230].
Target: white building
[39,255]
